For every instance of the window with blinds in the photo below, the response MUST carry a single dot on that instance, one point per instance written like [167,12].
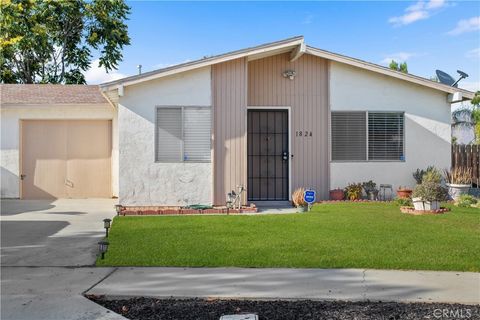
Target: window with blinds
[373,136]
[349,137]
[385,136]
[183,134]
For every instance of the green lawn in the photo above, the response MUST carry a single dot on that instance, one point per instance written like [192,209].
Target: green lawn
[344,235]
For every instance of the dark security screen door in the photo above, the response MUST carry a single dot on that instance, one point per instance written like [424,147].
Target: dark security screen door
[267,155]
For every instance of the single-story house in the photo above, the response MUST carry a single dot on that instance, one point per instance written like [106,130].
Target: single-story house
[271,118]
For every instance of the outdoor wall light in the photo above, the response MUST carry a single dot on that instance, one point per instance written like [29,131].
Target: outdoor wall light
[118,208]
[106,225]
[103,247]
[290,74]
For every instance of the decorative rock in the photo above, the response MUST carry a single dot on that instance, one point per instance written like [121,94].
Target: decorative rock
[412,211]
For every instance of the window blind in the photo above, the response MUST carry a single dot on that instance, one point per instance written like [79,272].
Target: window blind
[169,135]
[183,134]
[385,136]
[349,140]
[197,134]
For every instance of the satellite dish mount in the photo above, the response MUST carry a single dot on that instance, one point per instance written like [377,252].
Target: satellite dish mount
[447,79]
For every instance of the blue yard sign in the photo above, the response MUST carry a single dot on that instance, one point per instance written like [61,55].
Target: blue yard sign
[309,196]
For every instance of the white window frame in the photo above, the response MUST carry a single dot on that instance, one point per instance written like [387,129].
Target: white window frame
[181,107]
[366,137]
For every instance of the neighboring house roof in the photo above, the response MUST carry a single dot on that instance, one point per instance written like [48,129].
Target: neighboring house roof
[50,94]
[296,46]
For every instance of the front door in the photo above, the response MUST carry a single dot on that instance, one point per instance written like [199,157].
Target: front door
[267,155]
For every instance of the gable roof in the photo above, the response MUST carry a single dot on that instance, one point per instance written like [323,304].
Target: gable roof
[50,94]
[296,46]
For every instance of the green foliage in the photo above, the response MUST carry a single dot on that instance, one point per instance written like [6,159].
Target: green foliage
[476,99]
[466,201]
[393,65]
[50,41]
[353,191]
[403,202]
[369,186]
[430,191]
[402,67]
[433,173]
[341,235]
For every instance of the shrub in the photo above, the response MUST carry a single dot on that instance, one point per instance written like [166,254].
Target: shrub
[419,173]
[354,191]
[433,175]
[369,186]
[466,201]
[297,197]
[430,174]
[430,191]
[459,175]
[403,202]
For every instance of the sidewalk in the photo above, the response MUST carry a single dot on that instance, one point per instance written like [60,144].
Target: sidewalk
[48,293]
[318,284]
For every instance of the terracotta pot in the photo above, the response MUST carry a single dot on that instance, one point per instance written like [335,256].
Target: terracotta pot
[404,193]
[336,194]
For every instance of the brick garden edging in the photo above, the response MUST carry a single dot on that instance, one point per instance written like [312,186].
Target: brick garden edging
[412,211]
[156,211]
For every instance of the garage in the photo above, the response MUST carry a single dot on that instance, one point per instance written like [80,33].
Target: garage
[57,141]
[65,159]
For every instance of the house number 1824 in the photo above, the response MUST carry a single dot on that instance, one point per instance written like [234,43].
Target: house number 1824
[304,133]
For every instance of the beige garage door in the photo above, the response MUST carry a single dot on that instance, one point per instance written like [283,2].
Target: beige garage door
[66,159]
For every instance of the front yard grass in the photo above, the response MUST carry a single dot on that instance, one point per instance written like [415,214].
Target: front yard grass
[339,235]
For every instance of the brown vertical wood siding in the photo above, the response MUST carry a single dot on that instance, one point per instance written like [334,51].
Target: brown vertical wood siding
[307,95]
[229,96]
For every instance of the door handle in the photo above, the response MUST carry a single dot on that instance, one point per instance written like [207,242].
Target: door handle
[285,156]
[23,176]
[68,183]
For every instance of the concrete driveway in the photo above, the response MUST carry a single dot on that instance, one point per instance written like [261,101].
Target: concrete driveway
[52,233]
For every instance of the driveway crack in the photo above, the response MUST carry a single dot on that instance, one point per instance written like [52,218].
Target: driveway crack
[364,285]
[101,280]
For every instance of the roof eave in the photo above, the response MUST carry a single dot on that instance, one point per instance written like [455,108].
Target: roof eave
[467,95]
[291,42]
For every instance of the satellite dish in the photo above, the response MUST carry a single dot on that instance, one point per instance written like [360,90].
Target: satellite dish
[447,79]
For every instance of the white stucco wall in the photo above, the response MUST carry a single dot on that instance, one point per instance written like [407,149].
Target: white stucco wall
[9,155]
[144,182]
[427,124]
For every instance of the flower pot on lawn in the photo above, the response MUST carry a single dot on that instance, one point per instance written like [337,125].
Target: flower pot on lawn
[336,194]
[423,205]
[456,190]
[404,193]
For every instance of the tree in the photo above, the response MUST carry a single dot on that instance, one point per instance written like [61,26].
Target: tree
[402,67]
[51,41]
[469,117]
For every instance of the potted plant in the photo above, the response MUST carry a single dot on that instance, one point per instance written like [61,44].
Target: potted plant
[336,194]
[371,190]
[404,192]
[353,191]
[298,201]
[459,180]
[427,196]
[419,173]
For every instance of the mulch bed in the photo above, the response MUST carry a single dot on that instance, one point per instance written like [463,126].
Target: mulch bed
[186,309]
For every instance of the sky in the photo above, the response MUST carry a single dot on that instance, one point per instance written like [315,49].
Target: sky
[428,35]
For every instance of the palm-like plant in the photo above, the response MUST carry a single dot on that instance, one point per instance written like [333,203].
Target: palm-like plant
[469,117]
